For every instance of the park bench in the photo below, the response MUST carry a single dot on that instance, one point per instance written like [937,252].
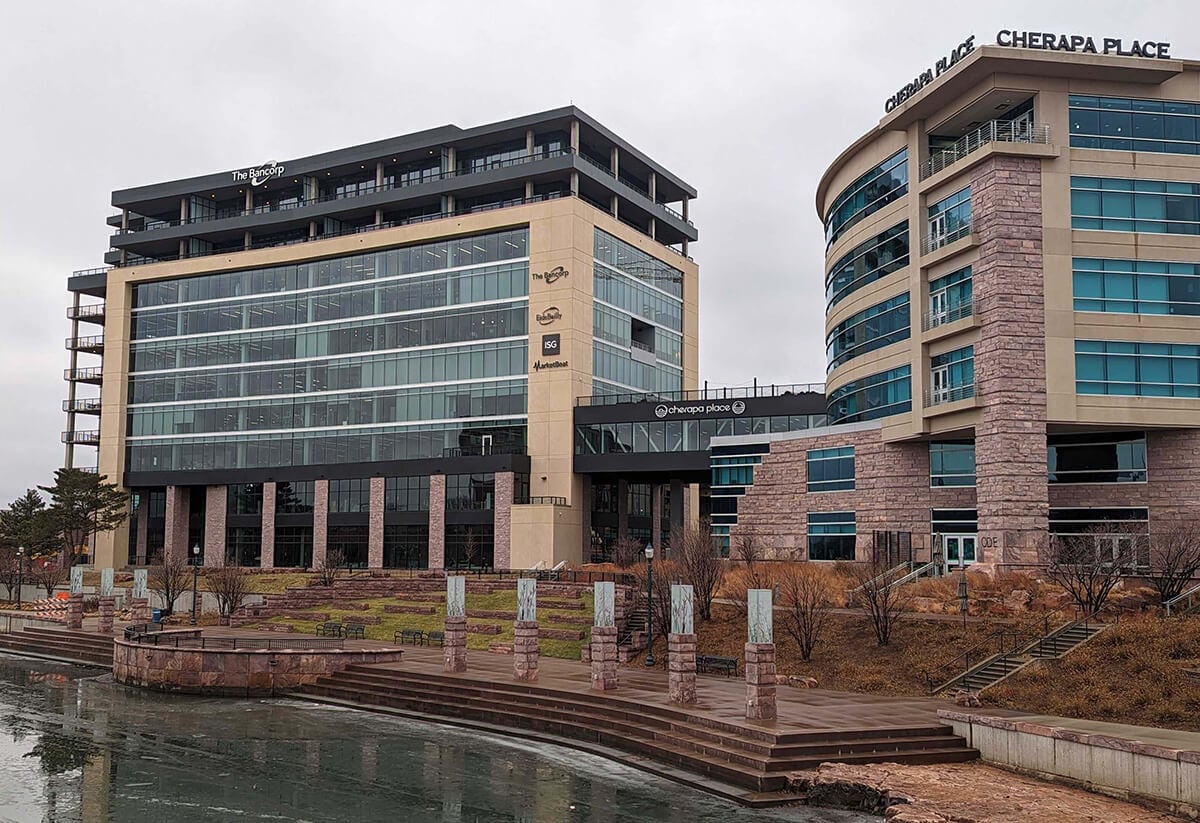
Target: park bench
[414,636]
[329,629]
[354,630]
[436,638]
[710,663]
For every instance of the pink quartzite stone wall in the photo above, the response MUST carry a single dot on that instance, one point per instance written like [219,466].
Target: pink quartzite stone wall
[175,540]
[525,651]
[268,526]
[502,518]
[375,533]
[437,521]
[75,611]
[139,610]
[760,681]
[216,500]
[320,522]
[681,654]
[1010,359]
[454,652]
[107,607]
[604,658]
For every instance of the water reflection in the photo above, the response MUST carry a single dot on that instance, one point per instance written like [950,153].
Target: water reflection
[76,747]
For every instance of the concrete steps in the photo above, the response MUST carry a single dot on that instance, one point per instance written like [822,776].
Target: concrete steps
[60,644]
[747,757]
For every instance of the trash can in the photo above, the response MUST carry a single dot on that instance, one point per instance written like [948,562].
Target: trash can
[156,615]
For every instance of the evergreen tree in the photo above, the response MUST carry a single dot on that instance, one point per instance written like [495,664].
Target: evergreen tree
[83,502]
[26,522]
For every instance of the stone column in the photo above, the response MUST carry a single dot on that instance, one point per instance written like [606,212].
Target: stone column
[320,522]
[760,656]
[681,657]
[75,611]
[268,526]
[108,605]
[437,521]
[455,644]
[604,658]
[375,535]
[175,540]
[216,500]
[502,521]
[525,651]
[139,610]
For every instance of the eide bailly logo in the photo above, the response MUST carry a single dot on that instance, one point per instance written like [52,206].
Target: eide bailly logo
[548,315]
[257,175]
[662,410]
[548,277]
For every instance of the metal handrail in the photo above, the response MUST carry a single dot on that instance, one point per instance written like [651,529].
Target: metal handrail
[86,404]
[1188,598]
[995,131]
[982,661]
[906,566]
[84,438]
[88,373]
[936,397]
[934,319]
[933,242]
[86,272]
[92,341]
[542,500]
[85,311]
[915,574]
[687,395]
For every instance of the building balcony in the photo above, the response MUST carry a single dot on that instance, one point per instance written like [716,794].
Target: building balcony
[89,469]
[87,405]
[691,395]
[937,239]
[82,438]
[93,343]
[541,501]
[90,374]
[948,394]
[941,317]
[995,131]
[92,312]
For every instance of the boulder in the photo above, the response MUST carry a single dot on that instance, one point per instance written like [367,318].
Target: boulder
[800,682]
[967,699]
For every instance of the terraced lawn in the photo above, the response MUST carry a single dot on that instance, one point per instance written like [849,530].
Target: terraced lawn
[506,601]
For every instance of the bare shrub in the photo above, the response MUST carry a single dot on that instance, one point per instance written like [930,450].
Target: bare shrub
[230,585]
[805,595]
[168,578]
[747,549]
[699,564]
[627,552]
[50,575]
[330,567]
[882,602]
[665,573]
[10,573]
[1174,558]
[1089,565]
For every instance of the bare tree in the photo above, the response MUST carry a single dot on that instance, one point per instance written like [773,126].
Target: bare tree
[665,572]
[230,585]
[1174,558]
[330,567]
[881,600]
[168,578]
[1089,565]
[627,552]
[807,606]
[747,549]
[50,575]
[699,564]
[9,573]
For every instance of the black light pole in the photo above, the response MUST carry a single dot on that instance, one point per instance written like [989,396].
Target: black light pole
[195,579]
[650,605]
[20,573]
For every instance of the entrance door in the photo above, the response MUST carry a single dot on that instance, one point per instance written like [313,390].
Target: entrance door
[939,385]
[1022,127]
[939,229]
[485,444]
[959,550]
[939,308]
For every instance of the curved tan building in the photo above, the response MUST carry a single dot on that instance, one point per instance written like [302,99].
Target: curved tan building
[1013,313]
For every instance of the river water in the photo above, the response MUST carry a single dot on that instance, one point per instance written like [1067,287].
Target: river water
[74,746]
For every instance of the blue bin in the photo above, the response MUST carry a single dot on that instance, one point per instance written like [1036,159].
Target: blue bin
[156,616]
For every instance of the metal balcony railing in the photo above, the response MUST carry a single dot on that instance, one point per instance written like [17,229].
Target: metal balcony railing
[86,272]
[91,311]
[689,395]
[89,469]
[932,242]
[939,318]
[91,374]
[541,500]
[995,131]
[936,397]
[92,342]
[88,405]
[82,438]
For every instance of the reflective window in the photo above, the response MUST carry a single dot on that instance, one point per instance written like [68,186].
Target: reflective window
[470,492]
[615,253]
[245,498]
[470,546]
[293,547]
[406,494]
[1096,458]
[870,398]
[870,329]
[1152,206]
[406,546]
[950,297]
[349,544]
[868,194]
[867,262]
[952,463]
[831,535]
[294,497]
[1137,369]
[952,375]
[949,219]
[1130,124]
[831,469]
[1136,286]
[243,545]
[349,495]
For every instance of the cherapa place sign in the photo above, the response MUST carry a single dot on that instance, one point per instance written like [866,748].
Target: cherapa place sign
[1053,41]
[930,74]
[662,410]
[257,175]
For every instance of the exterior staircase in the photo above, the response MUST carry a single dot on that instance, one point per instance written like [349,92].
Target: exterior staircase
[64,645]
[752,759]
[1186,603]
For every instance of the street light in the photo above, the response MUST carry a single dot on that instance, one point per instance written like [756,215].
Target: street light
[20,573]
[195,579]
[650,605]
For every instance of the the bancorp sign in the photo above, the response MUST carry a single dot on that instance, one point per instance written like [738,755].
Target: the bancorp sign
[257,175]
[663,410]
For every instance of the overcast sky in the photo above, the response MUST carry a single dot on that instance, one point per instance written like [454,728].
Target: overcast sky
[747,101]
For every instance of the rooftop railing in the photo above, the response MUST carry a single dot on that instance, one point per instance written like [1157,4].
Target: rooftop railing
[995,131]
[725,393]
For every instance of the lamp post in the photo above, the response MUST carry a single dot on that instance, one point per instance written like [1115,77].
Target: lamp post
[195,579]
[20,573]
[649,605]
[74,537]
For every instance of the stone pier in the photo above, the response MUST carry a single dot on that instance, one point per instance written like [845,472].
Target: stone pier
[455,649]
[681,659]
[75,611]
[604,658]
[139,610]
[108,605]
[525,651]
[760,681]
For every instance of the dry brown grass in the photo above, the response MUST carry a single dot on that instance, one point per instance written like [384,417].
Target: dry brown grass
[1132,673]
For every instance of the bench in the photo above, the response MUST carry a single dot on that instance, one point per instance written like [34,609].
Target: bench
[709,664]
[436,639]
[330,629]
[354,630]
[414,636]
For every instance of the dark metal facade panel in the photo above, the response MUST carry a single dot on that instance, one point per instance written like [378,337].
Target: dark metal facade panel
[713,408]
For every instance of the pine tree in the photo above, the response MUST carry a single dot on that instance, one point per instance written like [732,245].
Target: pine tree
[83,502]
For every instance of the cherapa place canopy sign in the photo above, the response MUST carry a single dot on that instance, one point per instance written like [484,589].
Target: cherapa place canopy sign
[663,410]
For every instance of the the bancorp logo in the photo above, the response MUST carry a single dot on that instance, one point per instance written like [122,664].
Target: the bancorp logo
[663,410]
[548,277]
[548,315]
[256,176]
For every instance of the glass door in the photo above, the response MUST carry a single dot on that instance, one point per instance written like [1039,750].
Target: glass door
[959,550]
[939,308]
[939,229]
[1022,127]
[939,385]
